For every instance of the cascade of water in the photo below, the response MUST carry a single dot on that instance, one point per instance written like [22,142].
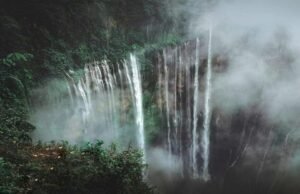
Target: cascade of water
[120,76]
[110,84]
[70,94]
[187,95]
[195,114]
[178,93]
[205,142]
[99,87]
[107,86]
[175,123]
[129,80]
[160,98]
[166,84]
[180,87]
[85,112]
[111,81]
[93,76]
[138,103]
[113,75]
[87,86]
[98,105]
[99,77]
[121,86]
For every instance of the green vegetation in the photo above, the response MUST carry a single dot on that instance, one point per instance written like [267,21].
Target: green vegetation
[60,168]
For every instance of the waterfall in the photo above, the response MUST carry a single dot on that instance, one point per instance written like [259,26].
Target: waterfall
[129,80]
[159,85]
[101,98]
[109,93]
[180,84]
[87,85]
[175,119]
[205,141]
[70,94]
[195,114]
[112,81]
[188,95]
[103,95]
[136,78]
[179,73]
[166,84]
[85,112]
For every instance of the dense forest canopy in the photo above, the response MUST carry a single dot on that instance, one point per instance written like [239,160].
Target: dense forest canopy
[47,28]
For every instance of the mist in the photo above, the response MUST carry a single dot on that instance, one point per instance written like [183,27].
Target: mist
[256,43]
[69,110]
[259,38]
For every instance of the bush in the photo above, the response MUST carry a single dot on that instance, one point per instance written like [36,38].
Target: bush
[61,168]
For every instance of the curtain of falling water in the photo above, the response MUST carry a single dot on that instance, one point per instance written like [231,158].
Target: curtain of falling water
[128,76]
[188,118]
[205,142]
[175,118]
[174,70]
[182,107]
[138,103]
[179,122]
[195,146]
[166,84]
[178,95]
[100,81]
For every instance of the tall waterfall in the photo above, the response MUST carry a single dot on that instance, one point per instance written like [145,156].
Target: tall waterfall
[195,146]
[166,84]
[104,101]
[180,76]
[205,141]
[138,103]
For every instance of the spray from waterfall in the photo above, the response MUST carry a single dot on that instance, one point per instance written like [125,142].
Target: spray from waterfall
[205,141]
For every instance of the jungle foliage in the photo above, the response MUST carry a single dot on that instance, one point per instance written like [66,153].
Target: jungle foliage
[61,168]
